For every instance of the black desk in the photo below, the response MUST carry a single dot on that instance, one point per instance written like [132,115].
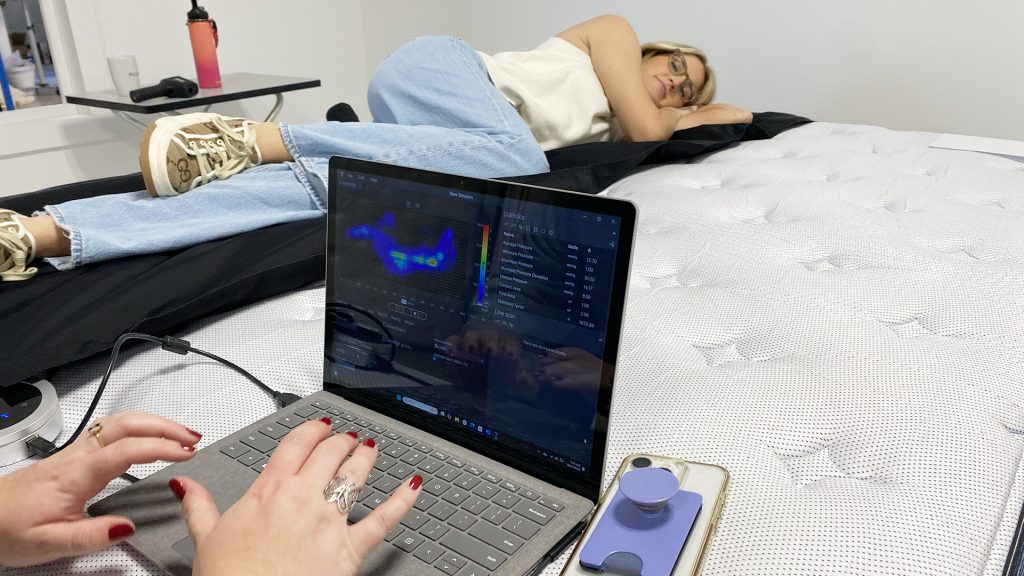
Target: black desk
[233,87]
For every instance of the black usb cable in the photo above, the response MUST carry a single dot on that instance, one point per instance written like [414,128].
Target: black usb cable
[44,448]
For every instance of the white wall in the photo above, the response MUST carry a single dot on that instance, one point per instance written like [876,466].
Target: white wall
[951,66]
[390,23]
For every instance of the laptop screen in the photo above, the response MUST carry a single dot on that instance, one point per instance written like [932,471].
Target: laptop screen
[484,312]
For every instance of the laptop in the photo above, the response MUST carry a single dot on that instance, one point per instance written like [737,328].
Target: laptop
[471,328]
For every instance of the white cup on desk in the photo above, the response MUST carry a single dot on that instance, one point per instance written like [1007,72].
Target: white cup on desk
[125,73]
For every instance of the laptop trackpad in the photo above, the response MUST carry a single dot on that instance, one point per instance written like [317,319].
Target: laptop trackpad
[186,549]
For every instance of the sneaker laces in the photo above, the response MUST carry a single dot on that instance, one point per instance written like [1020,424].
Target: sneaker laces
[231,153]
[17,248]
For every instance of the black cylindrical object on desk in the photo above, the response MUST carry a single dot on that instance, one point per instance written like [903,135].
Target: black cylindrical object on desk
[173,87]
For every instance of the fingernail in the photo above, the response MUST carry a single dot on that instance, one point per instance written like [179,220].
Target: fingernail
[369,443]
[197,435]
[189,448]
[352,433]
[326,420]
[121,531]
[415,482]
[178,488]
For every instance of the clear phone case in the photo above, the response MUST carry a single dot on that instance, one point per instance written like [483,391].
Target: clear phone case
[708,480]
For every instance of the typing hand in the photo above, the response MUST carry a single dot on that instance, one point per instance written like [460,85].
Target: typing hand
[284,523]
[41,506]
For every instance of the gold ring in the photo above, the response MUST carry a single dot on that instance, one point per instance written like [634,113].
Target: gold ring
[96,429]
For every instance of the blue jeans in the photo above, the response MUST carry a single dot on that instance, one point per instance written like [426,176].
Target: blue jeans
[433,107]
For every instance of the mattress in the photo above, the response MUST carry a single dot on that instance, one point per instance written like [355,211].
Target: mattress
[836,315]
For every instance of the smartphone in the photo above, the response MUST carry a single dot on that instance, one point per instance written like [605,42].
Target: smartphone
[709,481]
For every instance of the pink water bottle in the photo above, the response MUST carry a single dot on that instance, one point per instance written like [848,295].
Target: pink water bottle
[203,33]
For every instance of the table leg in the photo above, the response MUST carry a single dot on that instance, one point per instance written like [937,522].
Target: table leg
[130,119]
[278,104]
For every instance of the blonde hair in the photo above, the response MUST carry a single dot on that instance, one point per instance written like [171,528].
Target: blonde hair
[706,94]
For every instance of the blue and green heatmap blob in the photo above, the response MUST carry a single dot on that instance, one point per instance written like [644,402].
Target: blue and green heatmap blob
[402,260]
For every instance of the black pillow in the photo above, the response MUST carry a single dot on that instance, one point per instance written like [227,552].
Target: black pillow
[593,167]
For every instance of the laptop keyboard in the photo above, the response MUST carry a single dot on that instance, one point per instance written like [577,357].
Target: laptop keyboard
[467,520]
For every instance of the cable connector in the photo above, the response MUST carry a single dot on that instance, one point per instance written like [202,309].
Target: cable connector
[40,447]
[176,345]
[285,398]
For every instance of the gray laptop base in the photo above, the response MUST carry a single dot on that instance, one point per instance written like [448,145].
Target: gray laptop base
[162,536]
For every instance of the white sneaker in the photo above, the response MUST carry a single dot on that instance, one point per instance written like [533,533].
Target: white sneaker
[17,248]
[178,153]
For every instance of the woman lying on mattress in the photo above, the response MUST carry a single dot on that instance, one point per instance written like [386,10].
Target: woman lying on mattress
[437,104]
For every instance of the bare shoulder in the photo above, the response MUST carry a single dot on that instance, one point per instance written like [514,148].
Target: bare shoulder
[602,27]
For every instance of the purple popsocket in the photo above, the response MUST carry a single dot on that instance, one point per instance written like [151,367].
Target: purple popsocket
[649,489]
[644,527]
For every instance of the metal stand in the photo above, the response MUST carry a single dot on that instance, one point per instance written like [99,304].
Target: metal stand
[37,56]
[278,104]
[129,118]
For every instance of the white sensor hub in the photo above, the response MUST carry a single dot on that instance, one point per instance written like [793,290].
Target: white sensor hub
[27,409]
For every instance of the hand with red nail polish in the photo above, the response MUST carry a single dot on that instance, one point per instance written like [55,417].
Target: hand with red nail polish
[311,535]
[41,506]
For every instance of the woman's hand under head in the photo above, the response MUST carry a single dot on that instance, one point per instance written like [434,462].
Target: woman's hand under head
[283,524]
[42,506]
[718,113]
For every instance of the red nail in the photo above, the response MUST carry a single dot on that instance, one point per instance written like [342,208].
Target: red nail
[197,435]
[415,482]
[369,443]
[121,531]
[352,433]
[178,488]
[189,448]
[326,420]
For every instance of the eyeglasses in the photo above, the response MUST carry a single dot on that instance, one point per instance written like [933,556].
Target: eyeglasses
[677,66]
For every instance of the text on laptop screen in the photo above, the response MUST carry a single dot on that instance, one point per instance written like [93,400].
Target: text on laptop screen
[477,316]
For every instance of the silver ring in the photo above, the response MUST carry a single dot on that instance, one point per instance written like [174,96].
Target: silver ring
[343,492]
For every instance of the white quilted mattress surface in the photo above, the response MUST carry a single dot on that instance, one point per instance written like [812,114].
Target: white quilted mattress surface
[835,315]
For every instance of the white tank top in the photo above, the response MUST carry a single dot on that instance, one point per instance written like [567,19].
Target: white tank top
[556,91]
